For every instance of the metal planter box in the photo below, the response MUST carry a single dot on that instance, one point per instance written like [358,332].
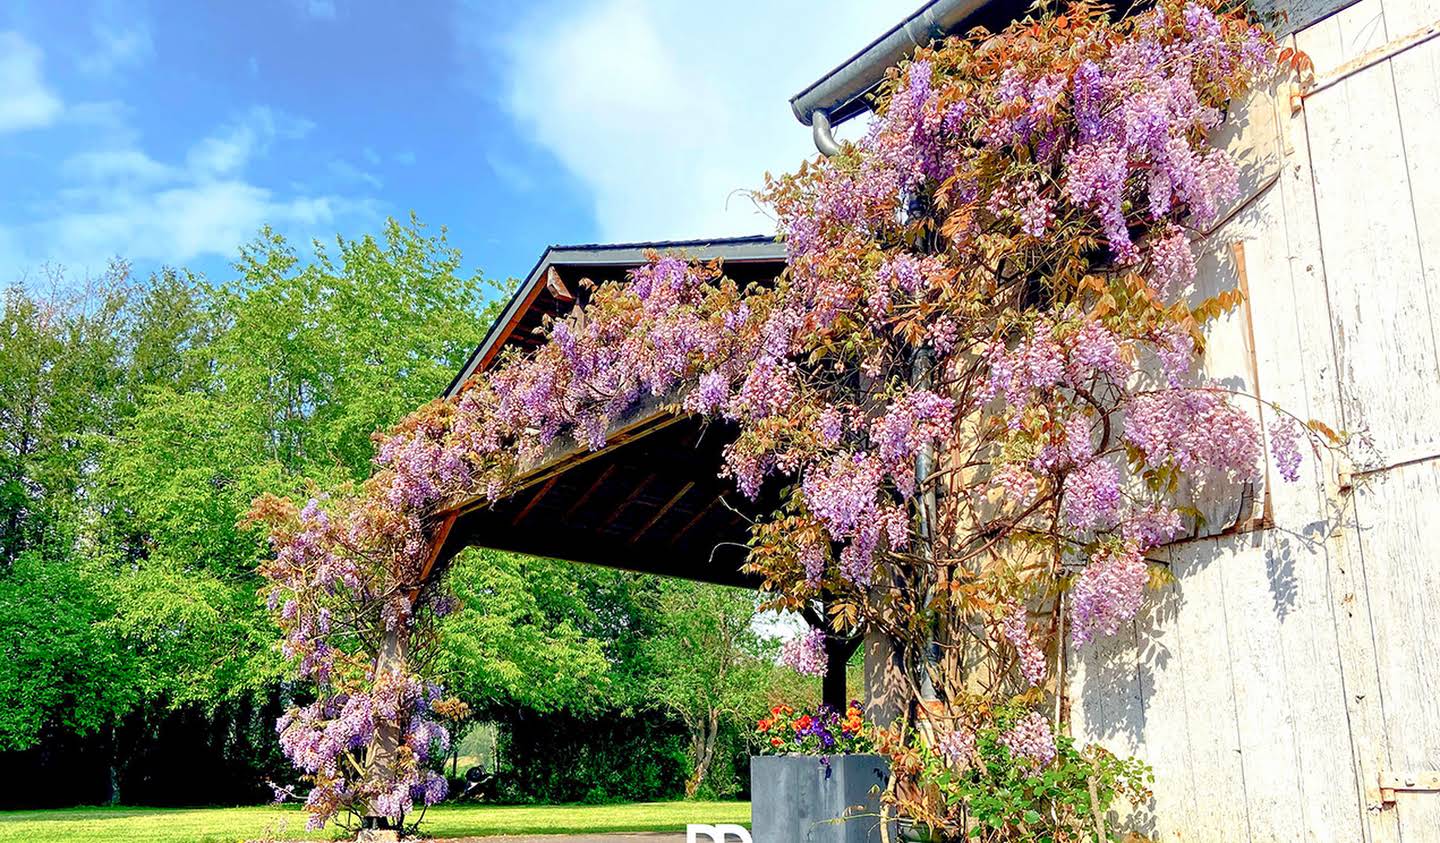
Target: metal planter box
[797,799]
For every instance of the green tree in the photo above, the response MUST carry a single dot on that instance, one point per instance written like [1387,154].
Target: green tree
[60,375]
[58,668]
[249,387]
[58,385]
[138,418]
[710,667]
[519,638]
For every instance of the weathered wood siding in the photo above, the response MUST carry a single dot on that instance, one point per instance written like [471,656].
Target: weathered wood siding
[1286,668]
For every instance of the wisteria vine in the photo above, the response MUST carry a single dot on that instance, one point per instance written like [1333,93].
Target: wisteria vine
[976,383]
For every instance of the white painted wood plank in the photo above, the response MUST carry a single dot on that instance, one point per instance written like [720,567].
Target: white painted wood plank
[1403,17]
[1370,744]
[1250,135]
[1316,362]
[1290,692]
[1264,714]
[1107,705]
[1417,90]
[1387,354]
[1394,512]
[1397,512]
[1294,355]
[1345,35]
[1165,724]
[1215,808]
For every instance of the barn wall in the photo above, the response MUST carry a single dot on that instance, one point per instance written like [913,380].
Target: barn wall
[1285,669]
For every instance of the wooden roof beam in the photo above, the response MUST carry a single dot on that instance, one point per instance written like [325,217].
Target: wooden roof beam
[437,546]
[630,498]
[556,285]
[655,519]
[535,499]
[590,492]
[704,511]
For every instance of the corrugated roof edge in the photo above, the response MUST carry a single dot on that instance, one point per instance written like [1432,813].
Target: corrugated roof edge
[749,247]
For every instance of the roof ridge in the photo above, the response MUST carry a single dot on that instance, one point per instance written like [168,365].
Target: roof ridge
[698,241]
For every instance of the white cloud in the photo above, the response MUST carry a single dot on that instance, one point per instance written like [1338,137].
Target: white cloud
[232,147]
[319,9]
[26,102]
[347,172]
[182,223]
[111,166]
[118,200]
[665,110]
[117,45]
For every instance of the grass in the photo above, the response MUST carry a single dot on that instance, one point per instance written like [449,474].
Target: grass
[228,825]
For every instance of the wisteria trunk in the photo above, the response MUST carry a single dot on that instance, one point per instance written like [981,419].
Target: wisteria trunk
[392,658]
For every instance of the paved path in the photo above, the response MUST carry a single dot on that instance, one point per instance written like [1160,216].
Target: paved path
[633,837]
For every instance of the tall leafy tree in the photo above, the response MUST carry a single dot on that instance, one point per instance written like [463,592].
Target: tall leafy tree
[139,417]
[59,379]
[710,667]
[521,618]
[284,373]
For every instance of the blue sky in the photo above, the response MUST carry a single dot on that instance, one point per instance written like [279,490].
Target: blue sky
[167,133]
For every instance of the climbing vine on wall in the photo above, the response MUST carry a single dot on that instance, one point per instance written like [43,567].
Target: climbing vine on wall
[976,385]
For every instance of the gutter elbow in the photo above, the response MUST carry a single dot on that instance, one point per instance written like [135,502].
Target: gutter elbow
[824,136]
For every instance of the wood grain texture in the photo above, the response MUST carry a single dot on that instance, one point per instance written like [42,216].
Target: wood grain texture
[1397,511]
[1283,671]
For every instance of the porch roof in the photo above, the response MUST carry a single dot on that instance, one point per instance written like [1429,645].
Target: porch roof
[651,500]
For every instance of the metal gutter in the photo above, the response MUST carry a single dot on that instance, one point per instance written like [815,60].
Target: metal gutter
[840,94]
[757,247]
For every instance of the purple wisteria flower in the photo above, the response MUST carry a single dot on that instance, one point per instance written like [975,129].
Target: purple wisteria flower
[1031,739]
[1107,593]
[806,654]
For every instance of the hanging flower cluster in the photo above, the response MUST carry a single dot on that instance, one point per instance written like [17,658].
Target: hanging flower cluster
[805,654]
[976,378]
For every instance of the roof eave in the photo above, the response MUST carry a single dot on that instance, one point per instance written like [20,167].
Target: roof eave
[843,92]
[730,249]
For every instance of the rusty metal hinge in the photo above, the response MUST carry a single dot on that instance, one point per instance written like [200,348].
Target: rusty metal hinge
[1414,780]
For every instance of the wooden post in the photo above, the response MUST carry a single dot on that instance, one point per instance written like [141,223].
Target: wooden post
[885,686]
[838,650]
[834,690]
[922,376]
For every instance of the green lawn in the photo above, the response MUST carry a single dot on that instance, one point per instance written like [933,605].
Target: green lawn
[227,825]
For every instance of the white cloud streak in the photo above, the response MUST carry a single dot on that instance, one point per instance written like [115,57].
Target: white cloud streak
[117,46]
[26,102]
[117,200]
[665,110]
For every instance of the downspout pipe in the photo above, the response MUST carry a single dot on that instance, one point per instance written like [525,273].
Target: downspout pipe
[824,136]
[839,95]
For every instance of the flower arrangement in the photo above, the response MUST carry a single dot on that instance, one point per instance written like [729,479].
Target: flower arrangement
[824,731]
